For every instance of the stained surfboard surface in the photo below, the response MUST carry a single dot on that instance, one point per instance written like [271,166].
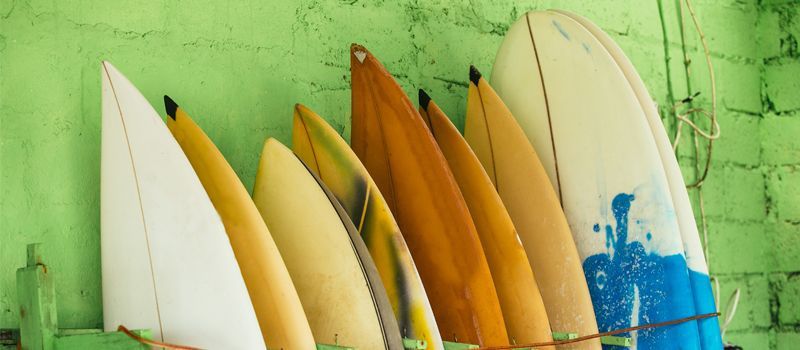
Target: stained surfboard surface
[277,305]
[522,305]
[391,332]
[329,156]
[393,143]
[588,127]
[319,253]
[167,262]
[710,337]
[514,169]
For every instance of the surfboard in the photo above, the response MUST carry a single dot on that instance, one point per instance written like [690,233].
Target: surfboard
[710,337]
[319,253]
[167,262]
[393,143]
[274,297]
[585,122]
[380,299]
[329,156]
[519,178]
[520,300]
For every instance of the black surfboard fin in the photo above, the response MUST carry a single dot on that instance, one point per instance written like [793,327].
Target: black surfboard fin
[170,106]
[474,75]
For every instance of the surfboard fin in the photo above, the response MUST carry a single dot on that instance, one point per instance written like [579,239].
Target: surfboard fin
[170,106]
[474,75]
[424,99]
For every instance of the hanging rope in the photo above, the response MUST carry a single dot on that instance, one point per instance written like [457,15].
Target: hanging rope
[710,136]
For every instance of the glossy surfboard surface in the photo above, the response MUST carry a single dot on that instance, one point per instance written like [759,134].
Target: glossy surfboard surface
[329,156]
[523,309]
[710,337]
[277,305]
[167,261]
[318,251]
[517,173]
[585,122]
[393,143]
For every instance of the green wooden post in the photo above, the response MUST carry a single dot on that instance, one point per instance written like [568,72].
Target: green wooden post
[39,318]
[37,304]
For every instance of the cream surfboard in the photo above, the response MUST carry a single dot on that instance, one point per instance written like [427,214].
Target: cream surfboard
[520,300]
[167,262]
[585,122]
[710,337]
[516,172]
[320,255]
[329,156]
[280,314]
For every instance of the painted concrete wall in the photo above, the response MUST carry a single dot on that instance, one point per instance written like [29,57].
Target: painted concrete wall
[239,66]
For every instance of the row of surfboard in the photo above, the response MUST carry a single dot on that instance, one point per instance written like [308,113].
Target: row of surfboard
[560,209]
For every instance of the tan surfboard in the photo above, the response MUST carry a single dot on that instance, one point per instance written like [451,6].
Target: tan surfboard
[275,300]
[322,260]
[392,141]
[518,175]
[329,156]
[523,309]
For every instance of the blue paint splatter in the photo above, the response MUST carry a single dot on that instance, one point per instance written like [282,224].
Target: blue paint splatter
[596,228]
[620,277]
[561,29]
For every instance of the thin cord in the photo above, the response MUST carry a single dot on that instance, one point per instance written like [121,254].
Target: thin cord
[603,334]
[710,136]
[158,344]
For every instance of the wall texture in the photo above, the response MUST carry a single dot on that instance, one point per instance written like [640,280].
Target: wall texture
[239,66]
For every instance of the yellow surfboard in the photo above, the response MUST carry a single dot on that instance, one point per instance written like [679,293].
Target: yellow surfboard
[392,141]
[277,305]
[518,175]
[330,157]
[523,309]
[321,258]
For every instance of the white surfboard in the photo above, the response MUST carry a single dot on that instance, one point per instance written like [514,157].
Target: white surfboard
[710,337]
[167,262]
[580,113]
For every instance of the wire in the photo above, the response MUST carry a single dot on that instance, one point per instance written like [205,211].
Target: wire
[603,334]
[158,344]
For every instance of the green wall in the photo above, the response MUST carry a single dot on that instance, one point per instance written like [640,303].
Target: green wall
[239,66]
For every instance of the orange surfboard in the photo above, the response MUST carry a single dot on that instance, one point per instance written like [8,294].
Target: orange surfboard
[391,139]
[523,309]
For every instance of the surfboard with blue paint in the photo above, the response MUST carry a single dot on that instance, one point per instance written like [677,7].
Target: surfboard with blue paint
[710,337]
[590,131]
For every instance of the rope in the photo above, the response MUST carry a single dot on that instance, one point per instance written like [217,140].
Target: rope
[154,343]
[603,334]
[683,118]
